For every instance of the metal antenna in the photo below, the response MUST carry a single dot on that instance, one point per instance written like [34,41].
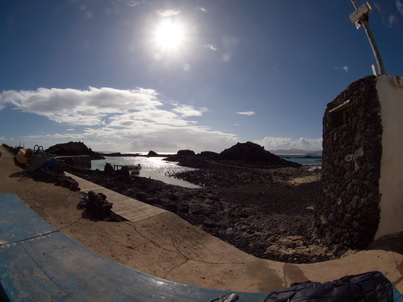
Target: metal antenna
[360,18]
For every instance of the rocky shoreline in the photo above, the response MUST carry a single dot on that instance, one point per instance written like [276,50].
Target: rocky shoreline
[268,213]
[249,197]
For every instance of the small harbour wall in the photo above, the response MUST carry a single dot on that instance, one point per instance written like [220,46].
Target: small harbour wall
[358,153]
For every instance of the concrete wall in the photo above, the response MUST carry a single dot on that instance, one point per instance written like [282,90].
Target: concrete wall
[390,91]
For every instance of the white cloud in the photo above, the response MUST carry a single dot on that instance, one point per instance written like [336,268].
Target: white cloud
[285,143]
[399,6]
[133,3]
[378,7]
[187,111]
[126,119]
[154,117]
[7,97]
[226,57]
[202,9]
[344,68]
[168,12]
[129,120]
[144,137]
[210,46]
[392,21]
[81,107]
[249,113]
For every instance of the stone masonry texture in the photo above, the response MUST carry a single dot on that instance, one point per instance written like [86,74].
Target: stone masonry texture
[348,213]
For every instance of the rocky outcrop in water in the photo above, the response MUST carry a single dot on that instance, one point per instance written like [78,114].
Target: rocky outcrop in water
[242,154]
[73,148]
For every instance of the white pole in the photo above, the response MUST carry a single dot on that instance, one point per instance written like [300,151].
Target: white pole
[364,22]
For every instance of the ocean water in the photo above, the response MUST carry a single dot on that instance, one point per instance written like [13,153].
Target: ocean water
[151,167]
[301,159]
[159,169]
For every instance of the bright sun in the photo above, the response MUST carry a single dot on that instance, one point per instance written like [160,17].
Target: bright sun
[169,35]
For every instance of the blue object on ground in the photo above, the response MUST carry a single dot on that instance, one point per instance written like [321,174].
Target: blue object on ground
[19,222]
[38,263]
[50,163]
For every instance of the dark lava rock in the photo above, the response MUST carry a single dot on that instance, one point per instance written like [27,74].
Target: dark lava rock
[73,148]
[59,179]
[242,155]
[186,153]
[208,155]
[124,174]
[255,210]
[98,206]
[108,169]
[11,149]
[152,154]
[252,153]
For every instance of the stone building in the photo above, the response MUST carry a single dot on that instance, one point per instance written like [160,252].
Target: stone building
[362,193]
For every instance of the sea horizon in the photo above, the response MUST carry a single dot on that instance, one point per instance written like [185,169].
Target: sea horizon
[303,159]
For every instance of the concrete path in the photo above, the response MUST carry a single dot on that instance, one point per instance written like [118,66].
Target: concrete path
[164,245]
[38,263]
[127,207]
[272,272]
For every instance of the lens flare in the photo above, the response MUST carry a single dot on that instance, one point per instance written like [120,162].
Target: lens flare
[170,35]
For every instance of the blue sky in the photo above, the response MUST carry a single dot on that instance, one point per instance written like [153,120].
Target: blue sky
[126,75]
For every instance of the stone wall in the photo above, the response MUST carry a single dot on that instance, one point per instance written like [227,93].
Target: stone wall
[348,213]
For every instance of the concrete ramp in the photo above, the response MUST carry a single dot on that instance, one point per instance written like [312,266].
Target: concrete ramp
[38,263]
[127,207]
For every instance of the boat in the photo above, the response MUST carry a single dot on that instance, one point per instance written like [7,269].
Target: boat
[134,169]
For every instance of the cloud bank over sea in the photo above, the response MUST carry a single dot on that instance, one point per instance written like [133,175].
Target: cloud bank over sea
[129,120]
[285,143]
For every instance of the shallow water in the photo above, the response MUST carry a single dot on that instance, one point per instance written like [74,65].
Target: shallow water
[301,159]
[151,167]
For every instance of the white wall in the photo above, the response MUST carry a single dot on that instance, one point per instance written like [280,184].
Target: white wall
[390,92]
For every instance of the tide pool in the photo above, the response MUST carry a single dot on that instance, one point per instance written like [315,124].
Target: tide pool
[151,167]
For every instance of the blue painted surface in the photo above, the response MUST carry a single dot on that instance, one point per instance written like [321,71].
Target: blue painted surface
[38,263]
[18,222]
[46,265]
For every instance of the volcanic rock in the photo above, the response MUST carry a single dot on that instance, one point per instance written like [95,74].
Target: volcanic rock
[73,148]
[98,206]
[253,154]
[152,154]
[185,153]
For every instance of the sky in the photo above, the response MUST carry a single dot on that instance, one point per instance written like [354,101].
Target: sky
[138,75]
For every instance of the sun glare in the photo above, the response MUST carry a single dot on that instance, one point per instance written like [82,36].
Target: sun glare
[169,35]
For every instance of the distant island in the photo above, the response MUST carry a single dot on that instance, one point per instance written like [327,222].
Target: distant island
[241,154]
[245,151]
